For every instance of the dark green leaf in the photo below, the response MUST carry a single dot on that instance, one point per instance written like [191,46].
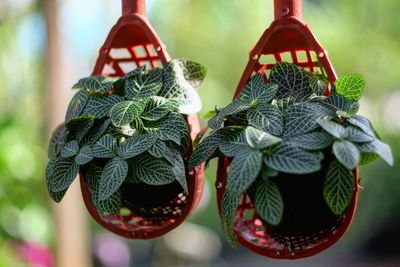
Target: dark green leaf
[98,84]
[338,187]
[156,108]
[312,141]
[65,171]
[105,147]
[80,126]
[292,159]
[350,86]
[338,105]
[367,158]
[112,204]
[135,145]
[264,94]
[84,156]
[289,77]
[125,112]
[70,149]
[171,128]
[153,171]
[234,144]
[97,131]
[235,107]
[259,139]
[216,122]
[144,85]
[112,177]
[303,118]
[318,84]
[100,105]
[268,202]
[243,170]
[255,81]
[77,104]
[229,205]
[346,153]
[57,141]
[267,118]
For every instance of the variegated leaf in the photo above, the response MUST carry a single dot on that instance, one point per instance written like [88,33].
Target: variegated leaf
[105,147]
[112,177]
[267,118]
[80,126]
[136,145]
[363,123]
[339,105]
[100,105]
[355,134]
[171,128]
[57,141]
[243,170]
[235,107]
[234,144]
[229,205]
[338,187]
[153,171]
[156,108]
[84,156]
[289,77]
[346,153]
[98,130]
[125,112]
[70,149]
[379,148]
[259,139]
[268,202]
[112,204]
[77,104]
[65,171]
[144,85]
[292,159]
[333,128]
[312,141]
[98,84]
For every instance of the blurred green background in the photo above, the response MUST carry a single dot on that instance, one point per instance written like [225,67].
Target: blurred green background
[362,36]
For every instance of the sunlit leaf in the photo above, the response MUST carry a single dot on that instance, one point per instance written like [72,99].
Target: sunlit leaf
[350,86]
[125,112]
[156,108]
[144,85]
[100,105]
[98,84]
[289,77]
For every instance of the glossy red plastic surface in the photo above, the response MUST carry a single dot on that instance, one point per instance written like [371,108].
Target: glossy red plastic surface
[287,39]
[131,43]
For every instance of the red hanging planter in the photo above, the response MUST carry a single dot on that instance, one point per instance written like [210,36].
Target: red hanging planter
[131,43]
[307,227]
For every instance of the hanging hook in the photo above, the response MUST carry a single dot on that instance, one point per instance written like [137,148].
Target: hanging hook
[134,7]
[287,8]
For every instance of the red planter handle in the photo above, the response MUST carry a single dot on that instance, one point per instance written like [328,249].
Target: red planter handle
[287,8]
[133,7]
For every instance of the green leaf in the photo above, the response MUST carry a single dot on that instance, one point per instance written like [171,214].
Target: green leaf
[216,122]
[263,94]
[339,105]
[98,130]
[303,118]
[318,84]
[105,147]
[243,170]
[57,196]
[379,148]
[350,86]
[312,141]
[172,128]
[354,134]
[362,123]
[178,167]
[229,205]
[125,112]
[112,204]
[65,171]
[292,159]
[367,158]
[267,118]
[235,107]
[289,77]
[70,149]
[156,108]
[144,85]
[98,84]
[92,179]
[338,187]
[80,126]
[136,145]
[182,79]
[346,153]
[100,105]
[120,83]
[84,156]
[234,144]
[268,202]
[50,169]
[112,177]
[57,140]
[77,104]
[248,92]
[259,139]
[153,171]
[333,128]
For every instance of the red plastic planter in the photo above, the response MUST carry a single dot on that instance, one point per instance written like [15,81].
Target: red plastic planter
[131,43]
[289,39]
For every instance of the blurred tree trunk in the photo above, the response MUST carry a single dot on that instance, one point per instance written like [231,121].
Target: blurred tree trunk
[71,227]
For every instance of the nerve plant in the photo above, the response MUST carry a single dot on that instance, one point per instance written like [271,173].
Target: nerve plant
[126,131]
[289,125]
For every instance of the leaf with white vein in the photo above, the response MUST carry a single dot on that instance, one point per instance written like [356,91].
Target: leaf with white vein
[125,112]
[312,141]
[112,177]
[268,202]
[346,153]
[135,145]
[267,118]
[259,139]
[105,147]
[153,171]
[70,149]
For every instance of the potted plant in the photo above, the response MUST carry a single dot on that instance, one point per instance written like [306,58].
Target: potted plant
[292,149]
[128,138]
